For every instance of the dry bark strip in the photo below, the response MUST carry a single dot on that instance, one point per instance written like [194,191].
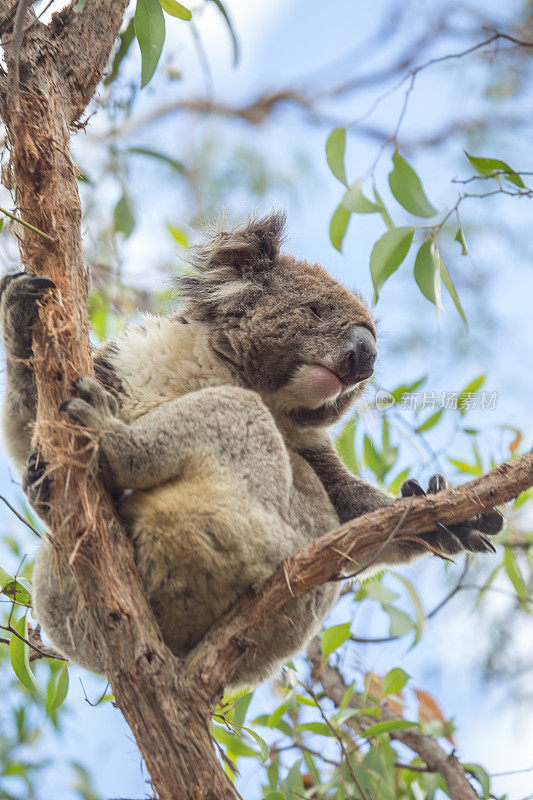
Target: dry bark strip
[429,750]
[167,704]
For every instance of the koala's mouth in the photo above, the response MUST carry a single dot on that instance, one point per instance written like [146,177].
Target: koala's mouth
[349,380]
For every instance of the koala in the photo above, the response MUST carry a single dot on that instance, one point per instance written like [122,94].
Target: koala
[212,428]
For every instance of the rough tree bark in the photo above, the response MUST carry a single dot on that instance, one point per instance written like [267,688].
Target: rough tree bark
[53,71]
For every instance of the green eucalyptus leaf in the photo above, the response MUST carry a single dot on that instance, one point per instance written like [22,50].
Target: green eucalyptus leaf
[233,741]
[241,707]
[430,421]
[377,590]
[394,681]
[373,458]
[261,742]
[176,9]
[5,577]
[470,389]
[333,637]
[407,188]
[355,201]
[462,466]
[338,226]
[19,654]
[276,715]
[124,215]
[387,219]
[345,445]
[335,149]
[491,167]
[515,576]
[395,485]
[149,24]
[281,725]
[18,590]
[126,38]
[427,272]
[347,696]
[447,281]
[321,728]
[387,255]
[400,622]
[407,388]
[61,689]
[417,605]
[461,238]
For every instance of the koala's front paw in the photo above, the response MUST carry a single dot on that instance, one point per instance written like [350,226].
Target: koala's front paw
[472,535]
[19,293]
[94,408]
[36,484]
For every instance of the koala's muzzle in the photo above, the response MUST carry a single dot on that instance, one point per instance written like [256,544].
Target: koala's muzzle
[357,362]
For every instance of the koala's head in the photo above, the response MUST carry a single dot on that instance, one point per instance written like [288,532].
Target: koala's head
[285,327]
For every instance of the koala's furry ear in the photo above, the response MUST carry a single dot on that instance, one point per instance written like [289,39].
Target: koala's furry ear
[232,266]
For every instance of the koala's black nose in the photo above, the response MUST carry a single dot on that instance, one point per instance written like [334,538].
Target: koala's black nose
[360,355]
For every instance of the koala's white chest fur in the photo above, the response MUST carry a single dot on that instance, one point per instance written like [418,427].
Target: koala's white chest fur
[162,360]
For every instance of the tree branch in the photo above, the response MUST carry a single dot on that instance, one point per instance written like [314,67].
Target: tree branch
[355,541]
[429,750]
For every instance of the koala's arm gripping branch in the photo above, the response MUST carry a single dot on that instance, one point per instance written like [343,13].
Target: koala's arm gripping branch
[354,544]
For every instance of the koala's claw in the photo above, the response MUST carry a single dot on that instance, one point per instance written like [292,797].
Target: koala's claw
[437,483]
[32,286]
[472,535]
[94,393]
[19,293]
[36,483]
[411,488]
[94,407]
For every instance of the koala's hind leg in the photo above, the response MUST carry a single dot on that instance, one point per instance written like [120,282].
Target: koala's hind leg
[19,293]
[229,424]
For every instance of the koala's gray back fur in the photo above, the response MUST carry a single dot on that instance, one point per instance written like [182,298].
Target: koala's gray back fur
[240,503]
[211,426]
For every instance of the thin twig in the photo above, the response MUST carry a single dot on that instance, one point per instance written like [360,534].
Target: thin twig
[338,737]
[15,576]
[26,224]
[42,653]
[413,767]
[20,517]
